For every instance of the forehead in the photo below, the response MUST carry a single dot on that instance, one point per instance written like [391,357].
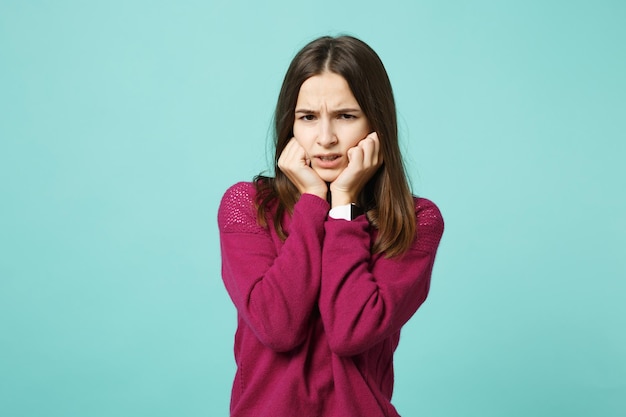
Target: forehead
[326,89]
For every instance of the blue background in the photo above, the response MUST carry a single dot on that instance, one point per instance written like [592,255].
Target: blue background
[123,122]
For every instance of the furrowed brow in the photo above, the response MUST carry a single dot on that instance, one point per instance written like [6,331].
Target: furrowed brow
[347,110]
[337,111]
[306,111]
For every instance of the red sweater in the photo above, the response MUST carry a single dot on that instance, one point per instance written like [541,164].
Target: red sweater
[319,317]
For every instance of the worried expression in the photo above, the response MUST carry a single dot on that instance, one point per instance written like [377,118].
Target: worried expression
[328,122]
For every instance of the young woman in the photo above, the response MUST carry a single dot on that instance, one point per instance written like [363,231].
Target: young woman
[327,260]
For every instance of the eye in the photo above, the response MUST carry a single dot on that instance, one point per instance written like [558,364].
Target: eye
[307,117]
[347,116]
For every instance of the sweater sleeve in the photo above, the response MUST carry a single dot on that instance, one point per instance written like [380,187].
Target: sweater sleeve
[274,290]
[366,298]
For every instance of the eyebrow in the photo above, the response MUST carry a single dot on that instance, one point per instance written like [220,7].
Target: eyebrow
[338,111]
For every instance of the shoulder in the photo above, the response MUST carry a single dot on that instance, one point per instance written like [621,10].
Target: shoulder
[429,224]
[238,194]
[426,211]
[237,210]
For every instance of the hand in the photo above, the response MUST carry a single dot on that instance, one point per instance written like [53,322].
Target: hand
[363,161]
[295,164]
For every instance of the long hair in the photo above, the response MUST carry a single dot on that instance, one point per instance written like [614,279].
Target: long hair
[386,198]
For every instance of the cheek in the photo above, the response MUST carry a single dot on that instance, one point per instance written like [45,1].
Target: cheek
[297,132]
[303,136]
[357,137]
[355,134]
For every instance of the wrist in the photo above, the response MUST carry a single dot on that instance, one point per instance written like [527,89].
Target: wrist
[319,192]
[339,198]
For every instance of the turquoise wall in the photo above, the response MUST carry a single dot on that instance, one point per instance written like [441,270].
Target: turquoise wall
[122,123]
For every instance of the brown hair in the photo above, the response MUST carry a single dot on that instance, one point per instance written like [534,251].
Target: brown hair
[386,198]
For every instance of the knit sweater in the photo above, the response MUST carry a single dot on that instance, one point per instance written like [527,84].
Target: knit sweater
[319,316]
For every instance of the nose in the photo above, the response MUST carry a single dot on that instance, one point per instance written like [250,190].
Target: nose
[326,136]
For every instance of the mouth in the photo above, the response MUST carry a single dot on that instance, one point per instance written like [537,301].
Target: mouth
[328,157]
[328,161]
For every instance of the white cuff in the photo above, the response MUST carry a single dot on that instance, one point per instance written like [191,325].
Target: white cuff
[344,212]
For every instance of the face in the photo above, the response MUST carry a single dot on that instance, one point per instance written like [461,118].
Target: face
[328,122]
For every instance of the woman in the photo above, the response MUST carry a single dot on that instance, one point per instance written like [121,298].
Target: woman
[326,261]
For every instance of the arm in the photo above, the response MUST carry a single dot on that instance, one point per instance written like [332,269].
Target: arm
[366,298]
[273,291]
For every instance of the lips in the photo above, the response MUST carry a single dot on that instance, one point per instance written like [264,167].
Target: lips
[328,161]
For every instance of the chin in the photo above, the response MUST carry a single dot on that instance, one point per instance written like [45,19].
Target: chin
[328,176]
